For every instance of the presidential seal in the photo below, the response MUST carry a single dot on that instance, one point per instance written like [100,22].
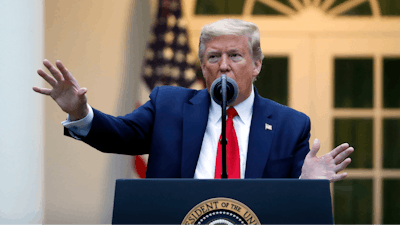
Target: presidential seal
[221,211]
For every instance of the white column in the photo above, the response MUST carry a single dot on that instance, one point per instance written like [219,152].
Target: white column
[21,111]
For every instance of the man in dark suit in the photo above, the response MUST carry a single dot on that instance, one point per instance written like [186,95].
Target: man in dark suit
[180,128]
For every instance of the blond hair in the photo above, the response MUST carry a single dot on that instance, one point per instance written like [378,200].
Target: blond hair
[231,27]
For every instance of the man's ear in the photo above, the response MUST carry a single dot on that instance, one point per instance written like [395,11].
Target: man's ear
[202,66]
[257,67]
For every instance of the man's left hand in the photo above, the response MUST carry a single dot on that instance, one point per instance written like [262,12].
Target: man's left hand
[328,165]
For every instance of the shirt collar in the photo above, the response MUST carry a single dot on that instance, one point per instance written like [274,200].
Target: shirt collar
[244,110]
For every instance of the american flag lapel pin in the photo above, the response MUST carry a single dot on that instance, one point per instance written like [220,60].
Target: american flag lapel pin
[268,126]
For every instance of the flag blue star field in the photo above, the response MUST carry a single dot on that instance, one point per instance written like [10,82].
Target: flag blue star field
[168,58]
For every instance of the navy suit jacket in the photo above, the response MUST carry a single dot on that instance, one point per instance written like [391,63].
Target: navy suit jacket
[171,125]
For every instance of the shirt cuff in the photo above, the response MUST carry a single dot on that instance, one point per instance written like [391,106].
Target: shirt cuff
[79,128]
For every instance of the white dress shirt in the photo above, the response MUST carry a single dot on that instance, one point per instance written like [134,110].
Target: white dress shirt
[79,128]
[205,168]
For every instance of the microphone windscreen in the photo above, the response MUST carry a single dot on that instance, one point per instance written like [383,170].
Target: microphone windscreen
[232,90]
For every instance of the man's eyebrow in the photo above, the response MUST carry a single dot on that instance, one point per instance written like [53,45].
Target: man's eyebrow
[234,50]
[213,52]
[219,52]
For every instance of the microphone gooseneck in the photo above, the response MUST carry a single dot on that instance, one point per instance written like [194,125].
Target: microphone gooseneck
[232,90]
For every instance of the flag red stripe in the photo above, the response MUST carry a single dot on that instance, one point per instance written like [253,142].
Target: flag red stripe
[140,166]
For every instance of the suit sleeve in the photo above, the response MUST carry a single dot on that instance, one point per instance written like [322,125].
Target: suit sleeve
[129,134]
[302,149]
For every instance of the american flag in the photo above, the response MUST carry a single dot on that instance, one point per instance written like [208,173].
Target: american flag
[168,58]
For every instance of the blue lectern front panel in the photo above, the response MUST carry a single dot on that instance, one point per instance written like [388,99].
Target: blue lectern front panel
[273,201]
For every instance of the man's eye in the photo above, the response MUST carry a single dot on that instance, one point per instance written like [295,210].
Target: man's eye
[213,58]
[236,56]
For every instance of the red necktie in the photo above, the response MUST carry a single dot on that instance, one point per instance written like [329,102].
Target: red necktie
[232,150]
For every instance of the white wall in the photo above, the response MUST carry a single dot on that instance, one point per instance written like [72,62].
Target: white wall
[101,42]
[21,111]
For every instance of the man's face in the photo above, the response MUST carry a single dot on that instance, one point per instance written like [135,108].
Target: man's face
[230,55]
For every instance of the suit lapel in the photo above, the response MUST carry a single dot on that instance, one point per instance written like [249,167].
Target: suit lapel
[195,117]
[260,138]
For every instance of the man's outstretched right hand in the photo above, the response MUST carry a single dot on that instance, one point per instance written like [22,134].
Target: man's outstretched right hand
[66,91]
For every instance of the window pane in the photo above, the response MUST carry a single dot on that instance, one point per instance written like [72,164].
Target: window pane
[272,82]
[391,82]
[390,7]
[358,133]
[391,201]
[353,202]
[353,83]
[212,7]
[391,144]
[336,3]
[262,9]
[364,9]
[287,3]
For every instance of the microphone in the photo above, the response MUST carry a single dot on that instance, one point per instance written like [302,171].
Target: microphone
[224,91]
[232,90]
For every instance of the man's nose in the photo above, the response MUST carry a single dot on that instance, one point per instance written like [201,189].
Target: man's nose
[224,63]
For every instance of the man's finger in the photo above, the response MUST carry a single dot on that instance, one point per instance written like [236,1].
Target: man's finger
[338,177]
[338,149]
[67,75]
[47,78]
[314,149]
[56,74]
[342,165]
[44,91]
[82,91]
[339,158]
